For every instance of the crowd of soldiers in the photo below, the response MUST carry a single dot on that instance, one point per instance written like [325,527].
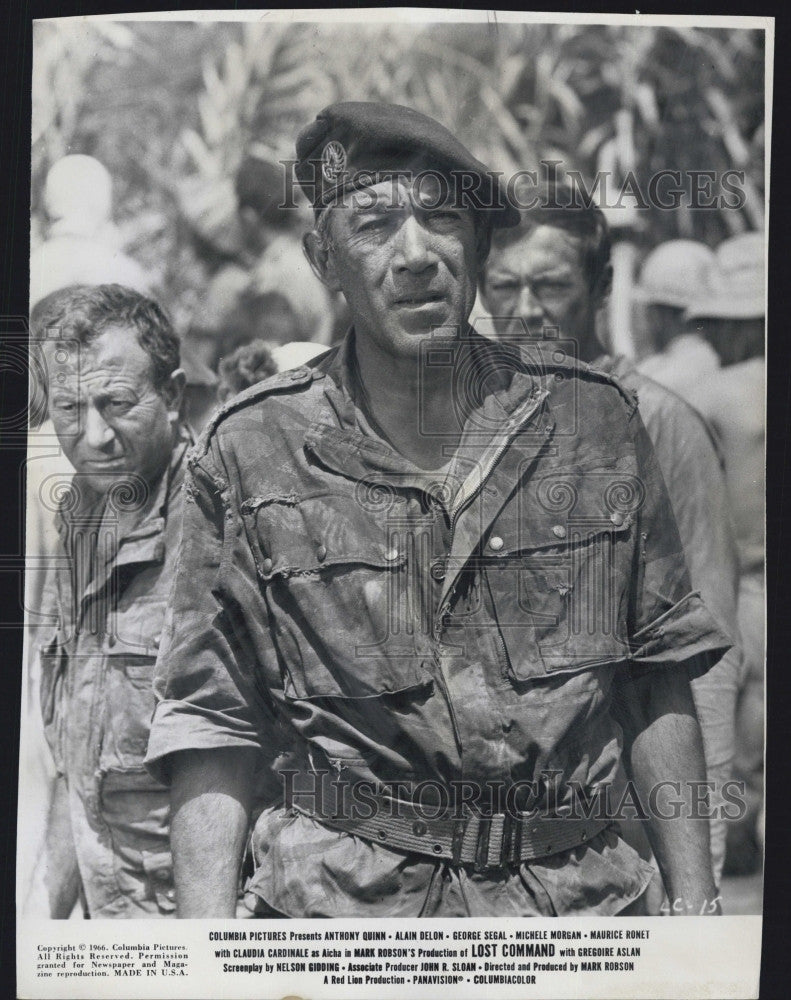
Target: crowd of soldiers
[335,542]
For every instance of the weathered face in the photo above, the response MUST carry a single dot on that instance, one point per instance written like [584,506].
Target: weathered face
[404,269]
[540,281]
[110,420]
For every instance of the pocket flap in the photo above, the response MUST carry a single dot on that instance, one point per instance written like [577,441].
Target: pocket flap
[371,677]
[567,507]
[292,535]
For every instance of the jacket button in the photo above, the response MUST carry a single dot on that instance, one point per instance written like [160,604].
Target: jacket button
[438,569]
[321,553]
[559,531]
[496,543]
[419,828]
[156,641]
[111,641]
[266,566]
[391,555]
[617,519]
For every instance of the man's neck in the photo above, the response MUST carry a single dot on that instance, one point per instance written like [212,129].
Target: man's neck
[412,403]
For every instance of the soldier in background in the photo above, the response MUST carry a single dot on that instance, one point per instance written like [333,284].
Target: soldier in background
[553,271]
[83,245]
[114,391]
[732,319]
[673,275]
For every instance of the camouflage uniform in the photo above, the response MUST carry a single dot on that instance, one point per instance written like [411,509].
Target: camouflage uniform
[348,612]
[692,468]
[111,584]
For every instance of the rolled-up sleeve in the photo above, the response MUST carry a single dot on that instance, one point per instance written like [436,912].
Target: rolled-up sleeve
[200,675]
[669,623]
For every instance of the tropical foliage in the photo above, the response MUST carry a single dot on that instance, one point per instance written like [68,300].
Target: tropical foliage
[171,108]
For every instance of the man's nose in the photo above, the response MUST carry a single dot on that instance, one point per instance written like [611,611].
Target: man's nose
[98,433]
[413,250]
[528,306]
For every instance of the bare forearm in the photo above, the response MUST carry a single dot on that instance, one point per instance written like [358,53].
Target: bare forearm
[715,700]
[664,756]
[210,799]
[63,875]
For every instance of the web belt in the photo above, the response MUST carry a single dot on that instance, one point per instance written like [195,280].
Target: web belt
[485,842]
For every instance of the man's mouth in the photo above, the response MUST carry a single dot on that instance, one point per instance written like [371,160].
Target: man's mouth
[104,464]
[421,299]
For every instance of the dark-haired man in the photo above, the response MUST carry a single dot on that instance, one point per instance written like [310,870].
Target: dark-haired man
[380,574]
[550,276]
[114,389]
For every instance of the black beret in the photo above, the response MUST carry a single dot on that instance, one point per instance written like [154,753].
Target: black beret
[355,143]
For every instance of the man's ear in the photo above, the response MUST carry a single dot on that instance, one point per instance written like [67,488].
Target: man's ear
[320,260]
[173,394]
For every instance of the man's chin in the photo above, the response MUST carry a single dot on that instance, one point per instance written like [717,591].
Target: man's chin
[440,328]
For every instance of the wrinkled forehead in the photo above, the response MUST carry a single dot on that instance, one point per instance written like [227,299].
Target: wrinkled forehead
[397,193]
[114,355]
[536,244]
[425,189]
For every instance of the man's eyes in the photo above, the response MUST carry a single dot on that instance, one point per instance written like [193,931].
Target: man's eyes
[440,217]
[65,405]
[118,405]
[538,287]
[392,219]
[114,406]
[379,222]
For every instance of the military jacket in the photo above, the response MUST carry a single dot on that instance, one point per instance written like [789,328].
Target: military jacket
[109,587]
[344,610]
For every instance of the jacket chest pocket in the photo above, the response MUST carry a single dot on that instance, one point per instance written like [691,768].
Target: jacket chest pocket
[130,650]
[334,578]
[557,576]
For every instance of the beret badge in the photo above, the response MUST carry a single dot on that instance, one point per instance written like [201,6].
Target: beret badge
[333,161]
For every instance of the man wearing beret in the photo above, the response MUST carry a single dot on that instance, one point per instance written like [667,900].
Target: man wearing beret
[430,585]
